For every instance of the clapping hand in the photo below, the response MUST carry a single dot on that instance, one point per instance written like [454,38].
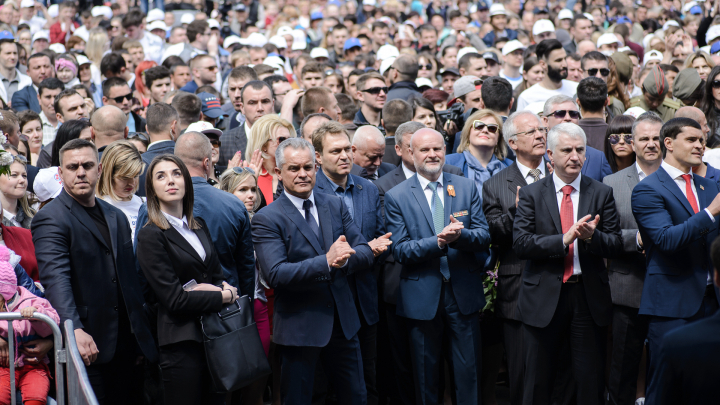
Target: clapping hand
[450,233]
[586,228]
[339,252]
[379,245]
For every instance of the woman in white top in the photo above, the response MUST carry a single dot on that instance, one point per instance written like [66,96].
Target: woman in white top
[122,166]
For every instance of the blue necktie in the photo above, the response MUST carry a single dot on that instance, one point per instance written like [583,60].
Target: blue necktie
[439,220]
[307,204]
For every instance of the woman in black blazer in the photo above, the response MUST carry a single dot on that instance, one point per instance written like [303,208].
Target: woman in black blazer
[175,249]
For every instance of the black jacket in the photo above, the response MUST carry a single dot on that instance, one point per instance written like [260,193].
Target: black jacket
[403,91]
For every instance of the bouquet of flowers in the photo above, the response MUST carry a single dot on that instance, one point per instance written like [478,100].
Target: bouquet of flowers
[490,288]
[6,158]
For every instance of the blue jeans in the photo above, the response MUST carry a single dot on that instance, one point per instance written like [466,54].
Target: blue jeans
[158,4]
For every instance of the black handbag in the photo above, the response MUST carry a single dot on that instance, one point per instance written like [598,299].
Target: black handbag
[233,349]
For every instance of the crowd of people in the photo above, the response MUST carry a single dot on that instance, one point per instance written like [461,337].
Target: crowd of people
[423,200]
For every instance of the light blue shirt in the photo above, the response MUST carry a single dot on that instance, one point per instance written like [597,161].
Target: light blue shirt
[347,194]
[131,123]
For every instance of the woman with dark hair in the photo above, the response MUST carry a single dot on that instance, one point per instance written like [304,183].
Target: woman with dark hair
[710,106]
[424,113]
[438,97]
[532,74]
[68,131]
[182,267]
[618,146]
[616,91]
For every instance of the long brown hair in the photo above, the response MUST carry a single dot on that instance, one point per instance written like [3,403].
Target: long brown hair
[155,216]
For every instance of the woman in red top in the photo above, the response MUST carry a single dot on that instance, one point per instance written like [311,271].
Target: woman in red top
[19,240]
[62,30]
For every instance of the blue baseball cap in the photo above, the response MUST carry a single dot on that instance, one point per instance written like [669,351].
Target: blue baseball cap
[696,10]
[351,43]
[211,106]
[317,15]
[715,48]
[6,35]
[623,20]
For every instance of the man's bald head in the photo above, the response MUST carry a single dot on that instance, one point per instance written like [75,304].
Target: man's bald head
[109,124]
[694,114]
[428,152]
[424,134]
[368,148]
[193,148]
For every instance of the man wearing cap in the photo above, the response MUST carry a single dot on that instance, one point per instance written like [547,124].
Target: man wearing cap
[402,75]
[551,56]
[512,62]
[448,78]
[352,48]
[688,87]
[580,29]
[493,63]
[40,41]
[652,58]
[39,68]
[28,15]
[498,21]
[542,30]
[468,91]
[134,27]
[654,90]
[211,109]
[608,44]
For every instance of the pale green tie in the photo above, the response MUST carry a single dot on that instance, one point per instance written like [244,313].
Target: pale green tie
[439,222]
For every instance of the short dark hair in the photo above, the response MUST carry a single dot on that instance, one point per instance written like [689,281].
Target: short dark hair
[426,27]
[188,106]
[668,68]
[155,73]
[173,60]
[112,63]
[272,79]
[396,112]
[577,18]
[347,106]
[314,98]
[327,128]
[356,72]
[546,46]
[454,14]
[196,27]
[38,55]
[496,94]
[112,82]
[63,94]
[133,18]
[674,127]
[312,67]
[76,144]
[256,85]
[464,62]
[242,73]
[339,26]
[378,24]
[592,94]
[159,116]
[623,30]
[593,55]
[28,116]
[308,118]
[51,83]
[575,57]
[68,131]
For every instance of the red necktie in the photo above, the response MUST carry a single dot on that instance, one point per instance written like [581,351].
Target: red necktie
[567,219]
[689,192]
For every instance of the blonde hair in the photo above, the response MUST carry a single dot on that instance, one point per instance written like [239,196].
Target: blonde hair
[230,180]
[120,159]
[500,148]
[96,44]
[698,54]
[263,131]
[131,44]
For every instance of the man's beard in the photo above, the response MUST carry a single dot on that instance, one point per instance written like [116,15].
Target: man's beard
[278,107]
[557,75]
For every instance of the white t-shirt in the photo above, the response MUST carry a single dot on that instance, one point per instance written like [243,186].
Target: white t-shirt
[515,81]
[537,93]
[129,208]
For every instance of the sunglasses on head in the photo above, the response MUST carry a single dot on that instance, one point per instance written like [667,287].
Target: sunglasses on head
[716,84]
[120,99]
[560,114]
[376,90]
[615,138]
[20,158]
[240,170]
[479,125]
[603,72]
[425,67]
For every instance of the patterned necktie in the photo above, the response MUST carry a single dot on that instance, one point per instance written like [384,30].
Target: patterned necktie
[307,204]
[439,220]
[536,174]
[689,192]
[567,219]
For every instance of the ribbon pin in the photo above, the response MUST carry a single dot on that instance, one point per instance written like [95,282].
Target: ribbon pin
[702,188]
[451,191]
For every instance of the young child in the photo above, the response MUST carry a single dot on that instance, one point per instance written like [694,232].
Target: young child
[32,379]
[67,70]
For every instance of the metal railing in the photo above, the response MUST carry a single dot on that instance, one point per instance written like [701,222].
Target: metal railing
[79,389]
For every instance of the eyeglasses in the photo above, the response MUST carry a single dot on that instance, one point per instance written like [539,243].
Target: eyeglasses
[716,84]
[560,114]
[425,67]
[375,90]
[215,143]
[479,125]
[615,138]
[240,170]
[139,135]
[531,132]
[120,99]
[211,68]
[603,72]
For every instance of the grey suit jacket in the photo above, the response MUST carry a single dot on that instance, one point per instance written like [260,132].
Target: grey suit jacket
[626,274]
[231,141]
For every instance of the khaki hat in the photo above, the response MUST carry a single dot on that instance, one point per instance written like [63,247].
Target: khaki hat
[686,82]
[655,83]
[623,66]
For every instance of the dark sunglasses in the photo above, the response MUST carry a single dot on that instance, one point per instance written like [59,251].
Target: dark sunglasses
[603,72]
[375,90]
[215,143]
[615,138]
[425,67]
[479,125]
[281,139]
[139,135]
[240,170]
[560,114]
[120,99]
[716,84]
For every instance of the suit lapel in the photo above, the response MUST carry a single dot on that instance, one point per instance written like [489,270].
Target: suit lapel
[670,184]
[325,222]
[174,236]
[206,243]
[515,178]
[422,201]
[83,217]
[551,202]
[585,197]
[448,199]
[702,194]
[632,178]
[295,216]
[111,221]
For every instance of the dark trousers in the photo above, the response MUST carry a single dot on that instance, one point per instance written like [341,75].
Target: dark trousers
[464,351]
[185,375]
[341,360]
[399,337]
[572,318]
[367,336]
[628,338]
[514,350]
[659,326]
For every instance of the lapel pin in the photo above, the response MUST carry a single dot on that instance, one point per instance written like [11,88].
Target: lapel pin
[359,187]
[702,188]
[451,190]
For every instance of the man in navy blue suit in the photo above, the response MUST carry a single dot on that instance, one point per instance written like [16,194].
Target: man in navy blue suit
[307,244]
[677,216]
[39,68]
[440,236]
[333,151]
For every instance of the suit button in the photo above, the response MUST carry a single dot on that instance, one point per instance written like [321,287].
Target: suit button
[559,278]
[115,307]
[114,280]
[204,275]
[107,252]
[329,305]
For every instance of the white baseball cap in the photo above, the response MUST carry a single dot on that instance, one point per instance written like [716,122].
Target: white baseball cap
[54,11]
[387,51]
[512,46]
[27,3]
[565,14]
[607,39]
[157,25]
[284,30]
[299,40]
[652,55]
[42,34]
[670,23]
[82,60]
[277,63]
[712,33]
[464,51]
[423,81]
[279,41]
[231,40]
[57,48]
[497,9]
[155,15]
[48,184]
[634,112]
[254,39]
[369,3]
[187,18]
[690,4]
[213,23]
[319,53]
[386,63]
[589,17]
[543,26]
[204,127]
[102,11]
[83,33]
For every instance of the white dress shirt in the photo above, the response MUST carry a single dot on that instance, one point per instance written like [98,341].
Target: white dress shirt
[575,198]
[676,174]
[298,203]
[429,192]
[181,225]
[408,173]
[640,172]
[525,171]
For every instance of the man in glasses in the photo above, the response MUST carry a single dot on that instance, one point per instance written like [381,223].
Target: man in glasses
[403,73]
[368,149]
[592,98]
[654,91]
[372,93]
[204,73]
[116,92]
[551,56]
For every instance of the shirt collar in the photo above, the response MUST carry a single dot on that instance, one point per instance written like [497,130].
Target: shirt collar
[350,183]
[16,79]
[673,171]
[247,128]
[424,182]
[176,222]
[408,173]
[525,171]
[559,184]
[298,202]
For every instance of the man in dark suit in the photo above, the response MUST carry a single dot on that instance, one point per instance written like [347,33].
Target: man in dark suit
[162,121]
[677,215]
[397,331]
[565,225]
[499,204]
[395,113]
[39,68]
[332,148]
[306,245]
[688,358]
[368,150]
[627,272]
[441,242]
[84,252]
[256,100]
